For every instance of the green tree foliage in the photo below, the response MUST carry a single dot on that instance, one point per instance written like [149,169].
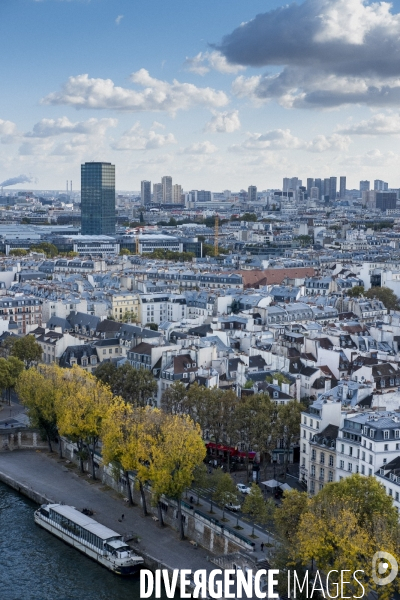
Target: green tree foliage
[170,255]
[385,295]
[152,326]
[200,478]
[135,386]
[27,349]
[10,370]
[18,252]
[124,252]
[254,506]
[37,390]
[49,250]
[305,240]
[279,377]
[225,491]
[356,291]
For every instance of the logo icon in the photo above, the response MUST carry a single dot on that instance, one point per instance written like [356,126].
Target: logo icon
[381,563]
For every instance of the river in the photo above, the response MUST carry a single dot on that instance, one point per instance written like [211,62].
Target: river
[35,565]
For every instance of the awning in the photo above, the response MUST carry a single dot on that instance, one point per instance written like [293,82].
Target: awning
[272,483]
[285,487]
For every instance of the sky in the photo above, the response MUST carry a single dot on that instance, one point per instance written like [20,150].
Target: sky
[218,94]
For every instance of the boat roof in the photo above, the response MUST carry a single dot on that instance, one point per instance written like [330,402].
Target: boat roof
[70,512]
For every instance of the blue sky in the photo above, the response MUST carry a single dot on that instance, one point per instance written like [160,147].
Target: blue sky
[217,94]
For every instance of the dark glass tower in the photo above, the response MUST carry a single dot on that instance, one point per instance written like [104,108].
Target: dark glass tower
[98,198]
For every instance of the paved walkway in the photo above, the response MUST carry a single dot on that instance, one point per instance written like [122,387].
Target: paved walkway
[47,476]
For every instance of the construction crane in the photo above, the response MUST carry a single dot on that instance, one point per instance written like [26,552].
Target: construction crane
[216,236]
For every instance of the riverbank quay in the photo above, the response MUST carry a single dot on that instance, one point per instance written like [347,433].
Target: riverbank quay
[44,478]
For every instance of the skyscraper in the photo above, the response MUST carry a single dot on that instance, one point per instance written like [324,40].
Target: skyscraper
[176,193]
[252,193]
[380,186]
[342,187]
[332,188]
[157,193]
[167,189]
[364,186]
[327,186]
[98,198]
[310,184]
[145,192]
[318,184]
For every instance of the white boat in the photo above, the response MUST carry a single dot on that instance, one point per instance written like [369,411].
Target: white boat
[90,537]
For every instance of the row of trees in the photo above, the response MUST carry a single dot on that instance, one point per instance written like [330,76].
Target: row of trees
[161,448]
[342,527]
[254,420]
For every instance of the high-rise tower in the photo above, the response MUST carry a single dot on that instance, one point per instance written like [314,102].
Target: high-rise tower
[98,198]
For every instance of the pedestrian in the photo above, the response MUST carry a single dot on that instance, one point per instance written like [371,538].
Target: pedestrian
[262,546]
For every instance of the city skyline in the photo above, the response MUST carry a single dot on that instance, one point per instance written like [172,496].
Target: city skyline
[216,103]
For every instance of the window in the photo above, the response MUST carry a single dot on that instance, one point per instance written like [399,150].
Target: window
[341,464]
[313,454]
[386,447]
[312,470]
[304,447]
[386,435]
[303,462]
[305,421]
[350,467]
[396,496]
[351,450]
[370,472]
[362,470]
[304,434]
[322,473]
[330,476]
[311,423]
[397,433]
[322,458]
[362,455]
[390,492]
[370,459]
[372,433]
[330,460]
[342,448]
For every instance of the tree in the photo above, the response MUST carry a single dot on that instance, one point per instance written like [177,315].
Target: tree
[225,491]
[256,416]
[18,252]
[80,410]
[200,478]
[346,523]
[37,392]
[356,291]
[279,377]
[10,371]
[124,252]
[133,385]
[254,506]
[287,427]
[125,437]
[305,240]
[49,249]
[152,326]
[173,398]
[177,450]
[28,350]
[385,295]
[287,517]
[129,317]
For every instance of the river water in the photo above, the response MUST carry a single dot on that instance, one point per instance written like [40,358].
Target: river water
[35,565]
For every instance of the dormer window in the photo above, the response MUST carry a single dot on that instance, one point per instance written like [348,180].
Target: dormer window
[276,394]
[386,434]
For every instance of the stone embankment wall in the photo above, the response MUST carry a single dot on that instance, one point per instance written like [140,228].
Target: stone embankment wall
[21,440]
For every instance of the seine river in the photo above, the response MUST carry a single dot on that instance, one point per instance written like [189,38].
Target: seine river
[35,565]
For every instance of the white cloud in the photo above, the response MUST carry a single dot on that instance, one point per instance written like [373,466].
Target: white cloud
[138,139]
[329,53]
[119,19]
[373,158]
[51,127]
[204,62]
[322,143]
[8,132]
[157,95]
[223,122]
[284,139]
[200,148]
[380,124]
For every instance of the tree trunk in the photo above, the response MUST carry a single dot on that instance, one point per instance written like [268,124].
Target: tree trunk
[49,442]
[160,515]
[91,453]
[144,505]
[80,450]
[130,499]
[181,530]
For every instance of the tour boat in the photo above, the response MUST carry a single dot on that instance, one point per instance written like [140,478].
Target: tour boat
[90,537]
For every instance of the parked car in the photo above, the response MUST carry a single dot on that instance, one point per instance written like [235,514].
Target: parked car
[233,506]
[242,488]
